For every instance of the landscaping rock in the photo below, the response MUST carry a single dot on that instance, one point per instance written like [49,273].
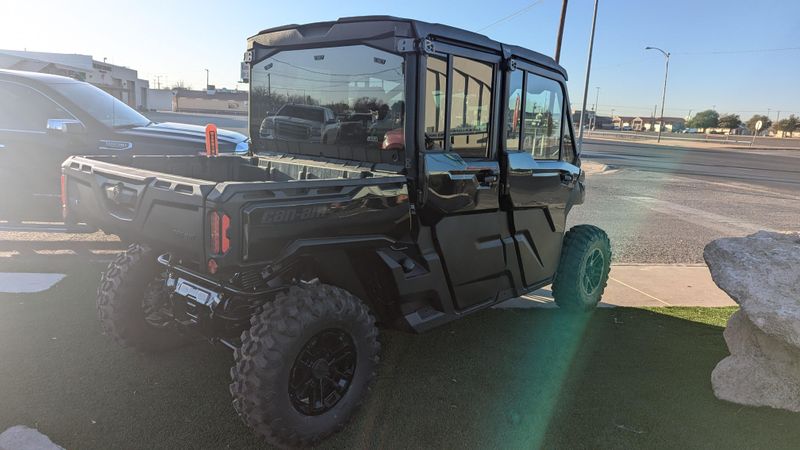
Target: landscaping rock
[24,438]
[761,272]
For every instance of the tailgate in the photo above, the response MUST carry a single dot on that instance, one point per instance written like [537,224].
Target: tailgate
[162,210]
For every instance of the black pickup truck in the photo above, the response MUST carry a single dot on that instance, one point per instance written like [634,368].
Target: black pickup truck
[45,118]
[294,254]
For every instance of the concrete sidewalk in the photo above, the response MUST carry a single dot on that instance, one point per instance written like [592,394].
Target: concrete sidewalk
[646,285]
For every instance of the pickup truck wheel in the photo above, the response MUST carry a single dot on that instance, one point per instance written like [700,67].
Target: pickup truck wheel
[132,302]
[583,270]
[305,365]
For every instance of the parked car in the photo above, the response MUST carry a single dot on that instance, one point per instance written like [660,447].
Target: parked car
[293,256]
[302,123]
[46,118]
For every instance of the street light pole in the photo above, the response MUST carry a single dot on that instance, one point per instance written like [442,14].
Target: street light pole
[561,30]
[664,92]
[588,71]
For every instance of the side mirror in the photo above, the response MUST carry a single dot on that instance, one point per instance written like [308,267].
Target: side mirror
[66,126]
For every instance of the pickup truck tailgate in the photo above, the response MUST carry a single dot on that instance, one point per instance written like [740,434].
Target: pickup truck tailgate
[161,209]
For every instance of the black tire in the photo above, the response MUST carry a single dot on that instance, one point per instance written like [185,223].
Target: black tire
[132,279]
[583,269]
[273,353]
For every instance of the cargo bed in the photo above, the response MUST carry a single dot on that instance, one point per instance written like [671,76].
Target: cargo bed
[238,210]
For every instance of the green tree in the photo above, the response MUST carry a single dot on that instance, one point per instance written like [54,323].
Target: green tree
[765,122]
[729,121]
[788,125]
[704,119]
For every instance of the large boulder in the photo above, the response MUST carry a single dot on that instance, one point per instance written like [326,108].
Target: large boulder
[761,272]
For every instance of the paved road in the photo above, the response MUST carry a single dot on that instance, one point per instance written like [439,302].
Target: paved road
[778,169]
[666,203]
[677,138]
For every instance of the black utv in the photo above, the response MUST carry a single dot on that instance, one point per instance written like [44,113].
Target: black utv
[293,255]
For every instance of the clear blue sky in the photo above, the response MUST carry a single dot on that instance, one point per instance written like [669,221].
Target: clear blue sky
[711,41]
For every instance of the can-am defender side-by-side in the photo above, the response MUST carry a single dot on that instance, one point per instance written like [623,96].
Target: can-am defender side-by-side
[402,174]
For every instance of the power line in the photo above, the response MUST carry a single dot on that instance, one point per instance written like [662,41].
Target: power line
[732,52]
[510,16]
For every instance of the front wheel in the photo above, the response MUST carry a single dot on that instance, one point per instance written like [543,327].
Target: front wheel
[583,270]
[305,365]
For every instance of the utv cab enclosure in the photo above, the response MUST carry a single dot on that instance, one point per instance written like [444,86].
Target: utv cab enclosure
[401,173]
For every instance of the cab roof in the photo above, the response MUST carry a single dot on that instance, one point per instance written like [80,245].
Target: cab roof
[381,27]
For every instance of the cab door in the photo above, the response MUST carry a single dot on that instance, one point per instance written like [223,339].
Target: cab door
[30,154]
[461,171]
[542,180]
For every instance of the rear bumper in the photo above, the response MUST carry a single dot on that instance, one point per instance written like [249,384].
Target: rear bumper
[208,283]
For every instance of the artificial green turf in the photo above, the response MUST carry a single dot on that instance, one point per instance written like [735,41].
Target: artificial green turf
[620,378]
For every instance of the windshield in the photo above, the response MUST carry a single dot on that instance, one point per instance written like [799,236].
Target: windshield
[304,101]
[101,105]
[299,112]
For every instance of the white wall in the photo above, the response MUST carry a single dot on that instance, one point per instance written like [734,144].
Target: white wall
[159,99]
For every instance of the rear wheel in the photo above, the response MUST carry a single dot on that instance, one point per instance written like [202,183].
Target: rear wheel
[583,270]
[305,365]
[133,303]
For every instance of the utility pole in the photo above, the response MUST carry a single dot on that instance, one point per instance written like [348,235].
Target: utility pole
[588,72]
[561,30]
[596,108]
[653,117]
[664,92]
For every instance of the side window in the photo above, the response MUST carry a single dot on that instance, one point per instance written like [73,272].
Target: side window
[542,117]
[513,126]
[436,86]
[567,147]
[470,107]
[24,109]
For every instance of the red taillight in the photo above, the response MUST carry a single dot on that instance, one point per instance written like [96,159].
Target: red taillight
[63,196]
[63,191]
[226,240]
[214,232]
[219,225]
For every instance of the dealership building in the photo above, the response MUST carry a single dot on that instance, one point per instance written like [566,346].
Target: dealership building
[119,81]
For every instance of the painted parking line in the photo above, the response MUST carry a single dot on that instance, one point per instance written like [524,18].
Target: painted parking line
[28,282]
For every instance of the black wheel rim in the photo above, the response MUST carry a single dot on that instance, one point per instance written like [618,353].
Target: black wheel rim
[322,372]
[593,274]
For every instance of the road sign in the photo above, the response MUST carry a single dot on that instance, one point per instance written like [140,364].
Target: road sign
[759,124]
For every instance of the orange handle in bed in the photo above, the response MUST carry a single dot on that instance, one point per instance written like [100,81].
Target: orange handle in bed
[212,148]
